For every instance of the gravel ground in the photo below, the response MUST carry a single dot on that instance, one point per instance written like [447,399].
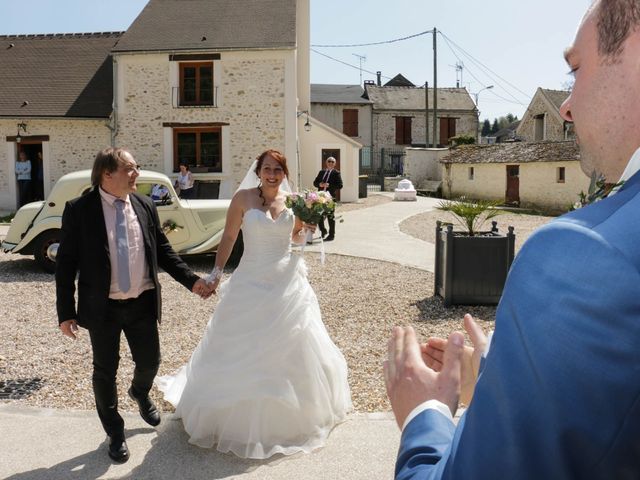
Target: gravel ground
[358,309]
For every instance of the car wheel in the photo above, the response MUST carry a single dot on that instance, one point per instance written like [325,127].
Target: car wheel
[46,248]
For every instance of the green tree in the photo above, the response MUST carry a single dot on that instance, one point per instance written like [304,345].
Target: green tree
[486,127]
[495,127]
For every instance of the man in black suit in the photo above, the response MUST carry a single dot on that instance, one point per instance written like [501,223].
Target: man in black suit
[112,240]
[329,179]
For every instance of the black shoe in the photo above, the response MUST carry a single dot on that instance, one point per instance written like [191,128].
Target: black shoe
[118,450]
[328,238]
[323,234]
[309,243]
[148,410]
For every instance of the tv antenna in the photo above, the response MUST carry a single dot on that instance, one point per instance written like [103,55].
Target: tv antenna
[459,66]
[361,58]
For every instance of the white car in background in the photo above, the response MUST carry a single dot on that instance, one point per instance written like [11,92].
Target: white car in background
[192,226]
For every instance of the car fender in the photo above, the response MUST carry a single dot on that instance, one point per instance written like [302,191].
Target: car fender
[49,223]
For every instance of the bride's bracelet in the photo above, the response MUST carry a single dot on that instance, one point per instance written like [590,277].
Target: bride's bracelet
[215,274]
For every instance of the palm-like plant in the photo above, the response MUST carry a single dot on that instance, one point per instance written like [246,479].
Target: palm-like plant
[471,214]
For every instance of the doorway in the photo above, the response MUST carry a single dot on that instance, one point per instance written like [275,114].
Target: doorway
[513,185]
[335,153]
[33,151]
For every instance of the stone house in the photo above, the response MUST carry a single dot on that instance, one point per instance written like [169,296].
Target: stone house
[544,175]
[400,114]
[55,101]
[345,108]
[542,120]
[183,83]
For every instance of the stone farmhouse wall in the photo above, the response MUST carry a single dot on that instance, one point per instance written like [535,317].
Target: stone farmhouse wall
[251,99]
[72,146]
[384,126]
[331,114]
[539,187]
[553,126]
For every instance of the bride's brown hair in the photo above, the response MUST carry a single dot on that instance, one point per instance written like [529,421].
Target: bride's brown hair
[278,157]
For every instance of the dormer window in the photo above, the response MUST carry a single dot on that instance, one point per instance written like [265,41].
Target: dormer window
[196,83]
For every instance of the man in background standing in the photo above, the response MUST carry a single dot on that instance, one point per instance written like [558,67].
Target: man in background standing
[329,180]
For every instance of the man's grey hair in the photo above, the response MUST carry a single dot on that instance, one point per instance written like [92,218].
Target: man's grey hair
[107,160]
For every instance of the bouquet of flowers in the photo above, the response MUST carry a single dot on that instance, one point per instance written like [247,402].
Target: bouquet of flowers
[310,206]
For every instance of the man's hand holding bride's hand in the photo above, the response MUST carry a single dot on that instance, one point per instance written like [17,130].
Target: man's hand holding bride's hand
[204,289]
[433,354]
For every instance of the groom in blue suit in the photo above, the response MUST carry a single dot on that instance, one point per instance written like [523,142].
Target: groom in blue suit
[558,394]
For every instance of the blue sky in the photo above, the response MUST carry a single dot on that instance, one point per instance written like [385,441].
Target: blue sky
[515,46]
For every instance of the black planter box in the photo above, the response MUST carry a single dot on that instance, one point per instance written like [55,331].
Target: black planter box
[472,270]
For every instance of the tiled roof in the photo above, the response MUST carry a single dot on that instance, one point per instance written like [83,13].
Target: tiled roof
[556,97]
[412,98]
[325,93]
[516,152]
[178,25]
[59,75]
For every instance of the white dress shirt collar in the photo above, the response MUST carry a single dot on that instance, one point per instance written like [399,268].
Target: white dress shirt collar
[632,167]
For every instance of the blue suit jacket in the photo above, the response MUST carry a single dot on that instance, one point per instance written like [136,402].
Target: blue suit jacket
[559,393]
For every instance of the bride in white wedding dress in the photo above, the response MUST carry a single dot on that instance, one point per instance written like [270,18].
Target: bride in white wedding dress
[266,377]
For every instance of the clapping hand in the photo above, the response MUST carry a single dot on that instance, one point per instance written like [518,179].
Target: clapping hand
[410,381]
[433,354]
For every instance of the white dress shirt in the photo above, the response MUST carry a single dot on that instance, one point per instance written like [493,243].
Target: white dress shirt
[138,267]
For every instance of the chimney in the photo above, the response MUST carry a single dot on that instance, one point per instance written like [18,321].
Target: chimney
[379,77]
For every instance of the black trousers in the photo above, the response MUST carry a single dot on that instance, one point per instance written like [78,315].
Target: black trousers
[24,192]
[137,319]
[332,226]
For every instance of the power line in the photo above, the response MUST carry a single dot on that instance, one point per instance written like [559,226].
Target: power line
[478,62]
[515,100]
[347,64]
[375,43]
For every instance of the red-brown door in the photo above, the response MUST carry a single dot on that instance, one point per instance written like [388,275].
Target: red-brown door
[335,153]
[513,184]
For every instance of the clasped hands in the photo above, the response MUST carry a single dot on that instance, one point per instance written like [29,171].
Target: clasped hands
[204,289]
[440,369]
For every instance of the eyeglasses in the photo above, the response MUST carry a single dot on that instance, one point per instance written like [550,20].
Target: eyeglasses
[331,161]
[132,168]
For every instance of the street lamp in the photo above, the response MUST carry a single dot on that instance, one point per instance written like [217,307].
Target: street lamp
[478,111]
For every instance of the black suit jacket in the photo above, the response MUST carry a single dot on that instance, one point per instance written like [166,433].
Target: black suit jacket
[334,181]
[84,251]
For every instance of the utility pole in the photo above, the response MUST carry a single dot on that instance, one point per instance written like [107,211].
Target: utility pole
[426,114]
[435,88]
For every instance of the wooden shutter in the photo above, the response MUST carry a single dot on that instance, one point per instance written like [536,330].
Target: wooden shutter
[350,122]
[403,130]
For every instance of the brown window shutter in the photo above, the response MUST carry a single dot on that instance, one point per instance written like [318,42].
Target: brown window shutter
[350,122]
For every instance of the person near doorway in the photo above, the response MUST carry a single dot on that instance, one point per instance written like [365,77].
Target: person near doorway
[23,176]
[329,180]
[37,175]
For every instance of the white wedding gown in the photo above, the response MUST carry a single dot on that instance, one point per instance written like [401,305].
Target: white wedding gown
[266,377]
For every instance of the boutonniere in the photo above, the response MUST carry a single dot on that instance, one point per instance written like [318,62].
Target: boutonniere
[598,190]
[170,226]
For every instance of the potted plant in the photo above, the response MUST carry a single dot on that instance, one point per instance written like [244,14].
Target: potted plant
[471,266]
